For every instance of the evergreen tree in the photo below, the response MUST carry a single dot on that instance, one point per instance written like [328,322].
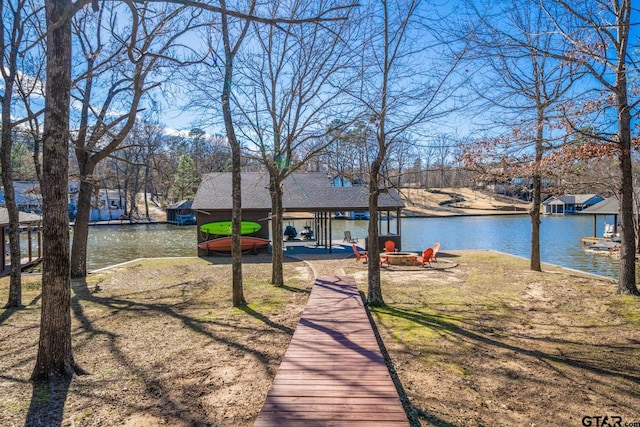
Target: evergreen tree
[185,181]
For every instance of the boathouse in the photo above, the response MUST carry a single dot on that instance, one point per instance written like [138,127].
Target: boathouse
[569,203]
[31,231]
[181,213]
[311,192]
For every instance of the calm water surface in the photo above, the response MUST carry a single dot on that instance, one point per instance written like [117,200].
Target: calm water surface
[560,239]
[113,244]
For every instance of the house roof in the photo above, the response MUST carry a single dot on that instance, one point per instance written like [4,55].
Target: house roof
[183,204]
[571,199]
[309,192]
[24,217]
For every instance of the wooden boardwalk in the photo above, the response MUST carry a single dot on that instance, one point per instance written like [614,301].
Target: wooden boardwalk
[333,373]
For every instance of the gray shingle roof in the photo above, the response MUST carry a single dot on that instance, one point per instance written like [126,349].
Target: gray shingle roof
[570,199]
[24,217]
[302,192]
[183,204]
[609,206]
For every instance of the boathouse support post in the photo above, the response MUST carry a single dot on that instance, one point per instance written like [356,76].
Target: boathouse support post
[388,222]
[326,237]
[30,251]
[4,258]
[330,234]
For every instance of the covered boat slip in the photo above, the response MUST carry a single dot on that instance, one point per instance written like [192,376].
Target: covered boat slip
[325,235]
[607,207]
[304,193]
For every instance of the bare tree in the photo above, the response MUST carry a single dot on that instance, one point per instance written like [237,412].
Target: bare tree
[346,156]
[598,33]
[290,88]
[164,166]
[150,138]
[230,51]
[107,116]
[405,83]
[441,149]
[525,86]
[10,40]
[18,28]
[55,356]
[401,154]
[132,166]
[234,30]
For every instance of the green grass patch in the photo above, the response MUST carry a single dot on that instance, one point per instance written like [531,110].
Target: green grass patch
[628,306]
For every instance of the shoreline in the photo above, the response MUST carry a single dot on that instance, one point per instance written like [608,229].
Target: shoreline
[305,216]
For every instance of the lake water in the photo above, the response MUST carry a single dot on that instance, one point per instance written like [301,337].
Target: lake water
[560,239]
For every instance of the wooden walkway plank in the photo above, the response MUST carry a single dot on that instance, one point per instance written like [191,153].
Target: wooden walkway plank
[333,372]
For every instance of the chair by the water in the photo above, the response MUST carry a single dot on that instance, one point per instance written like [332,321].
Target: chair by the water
[436,248]
[390,246]
[348,238]
[425,259]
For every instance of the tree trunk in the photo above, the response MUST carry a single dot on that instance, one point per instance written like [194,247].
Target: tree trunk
[627,278]
[236,172]
[81,229]
[535,224]
[537,194]
[15,281]
[146,189]
[277,275]
[236,218]
[55,357]
[374,290]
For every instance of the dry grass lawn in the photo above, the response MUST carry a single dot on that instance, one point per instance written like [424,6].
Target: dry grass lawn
[489,342]
[478,340]
[161,343]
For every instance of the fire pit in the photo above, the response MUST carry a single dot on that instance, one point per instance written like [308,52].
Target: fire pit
[398,258]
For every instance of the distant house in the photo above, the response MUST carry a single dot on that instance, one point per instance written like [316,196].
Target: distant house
[106,204]
[340,181]
[28,196]
[569,203]
[181,213]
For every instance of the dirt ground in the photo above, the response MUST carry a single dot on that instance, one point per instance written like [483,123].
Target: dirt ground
[476,340]
[459,201]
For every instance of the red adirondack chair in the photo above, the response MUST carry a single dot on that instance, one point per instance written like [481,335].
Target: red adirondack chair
[390,246]
[360,255]
[425,259]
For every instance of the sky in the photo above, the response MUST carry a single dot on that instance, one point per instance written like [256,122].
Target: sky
[177,120]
